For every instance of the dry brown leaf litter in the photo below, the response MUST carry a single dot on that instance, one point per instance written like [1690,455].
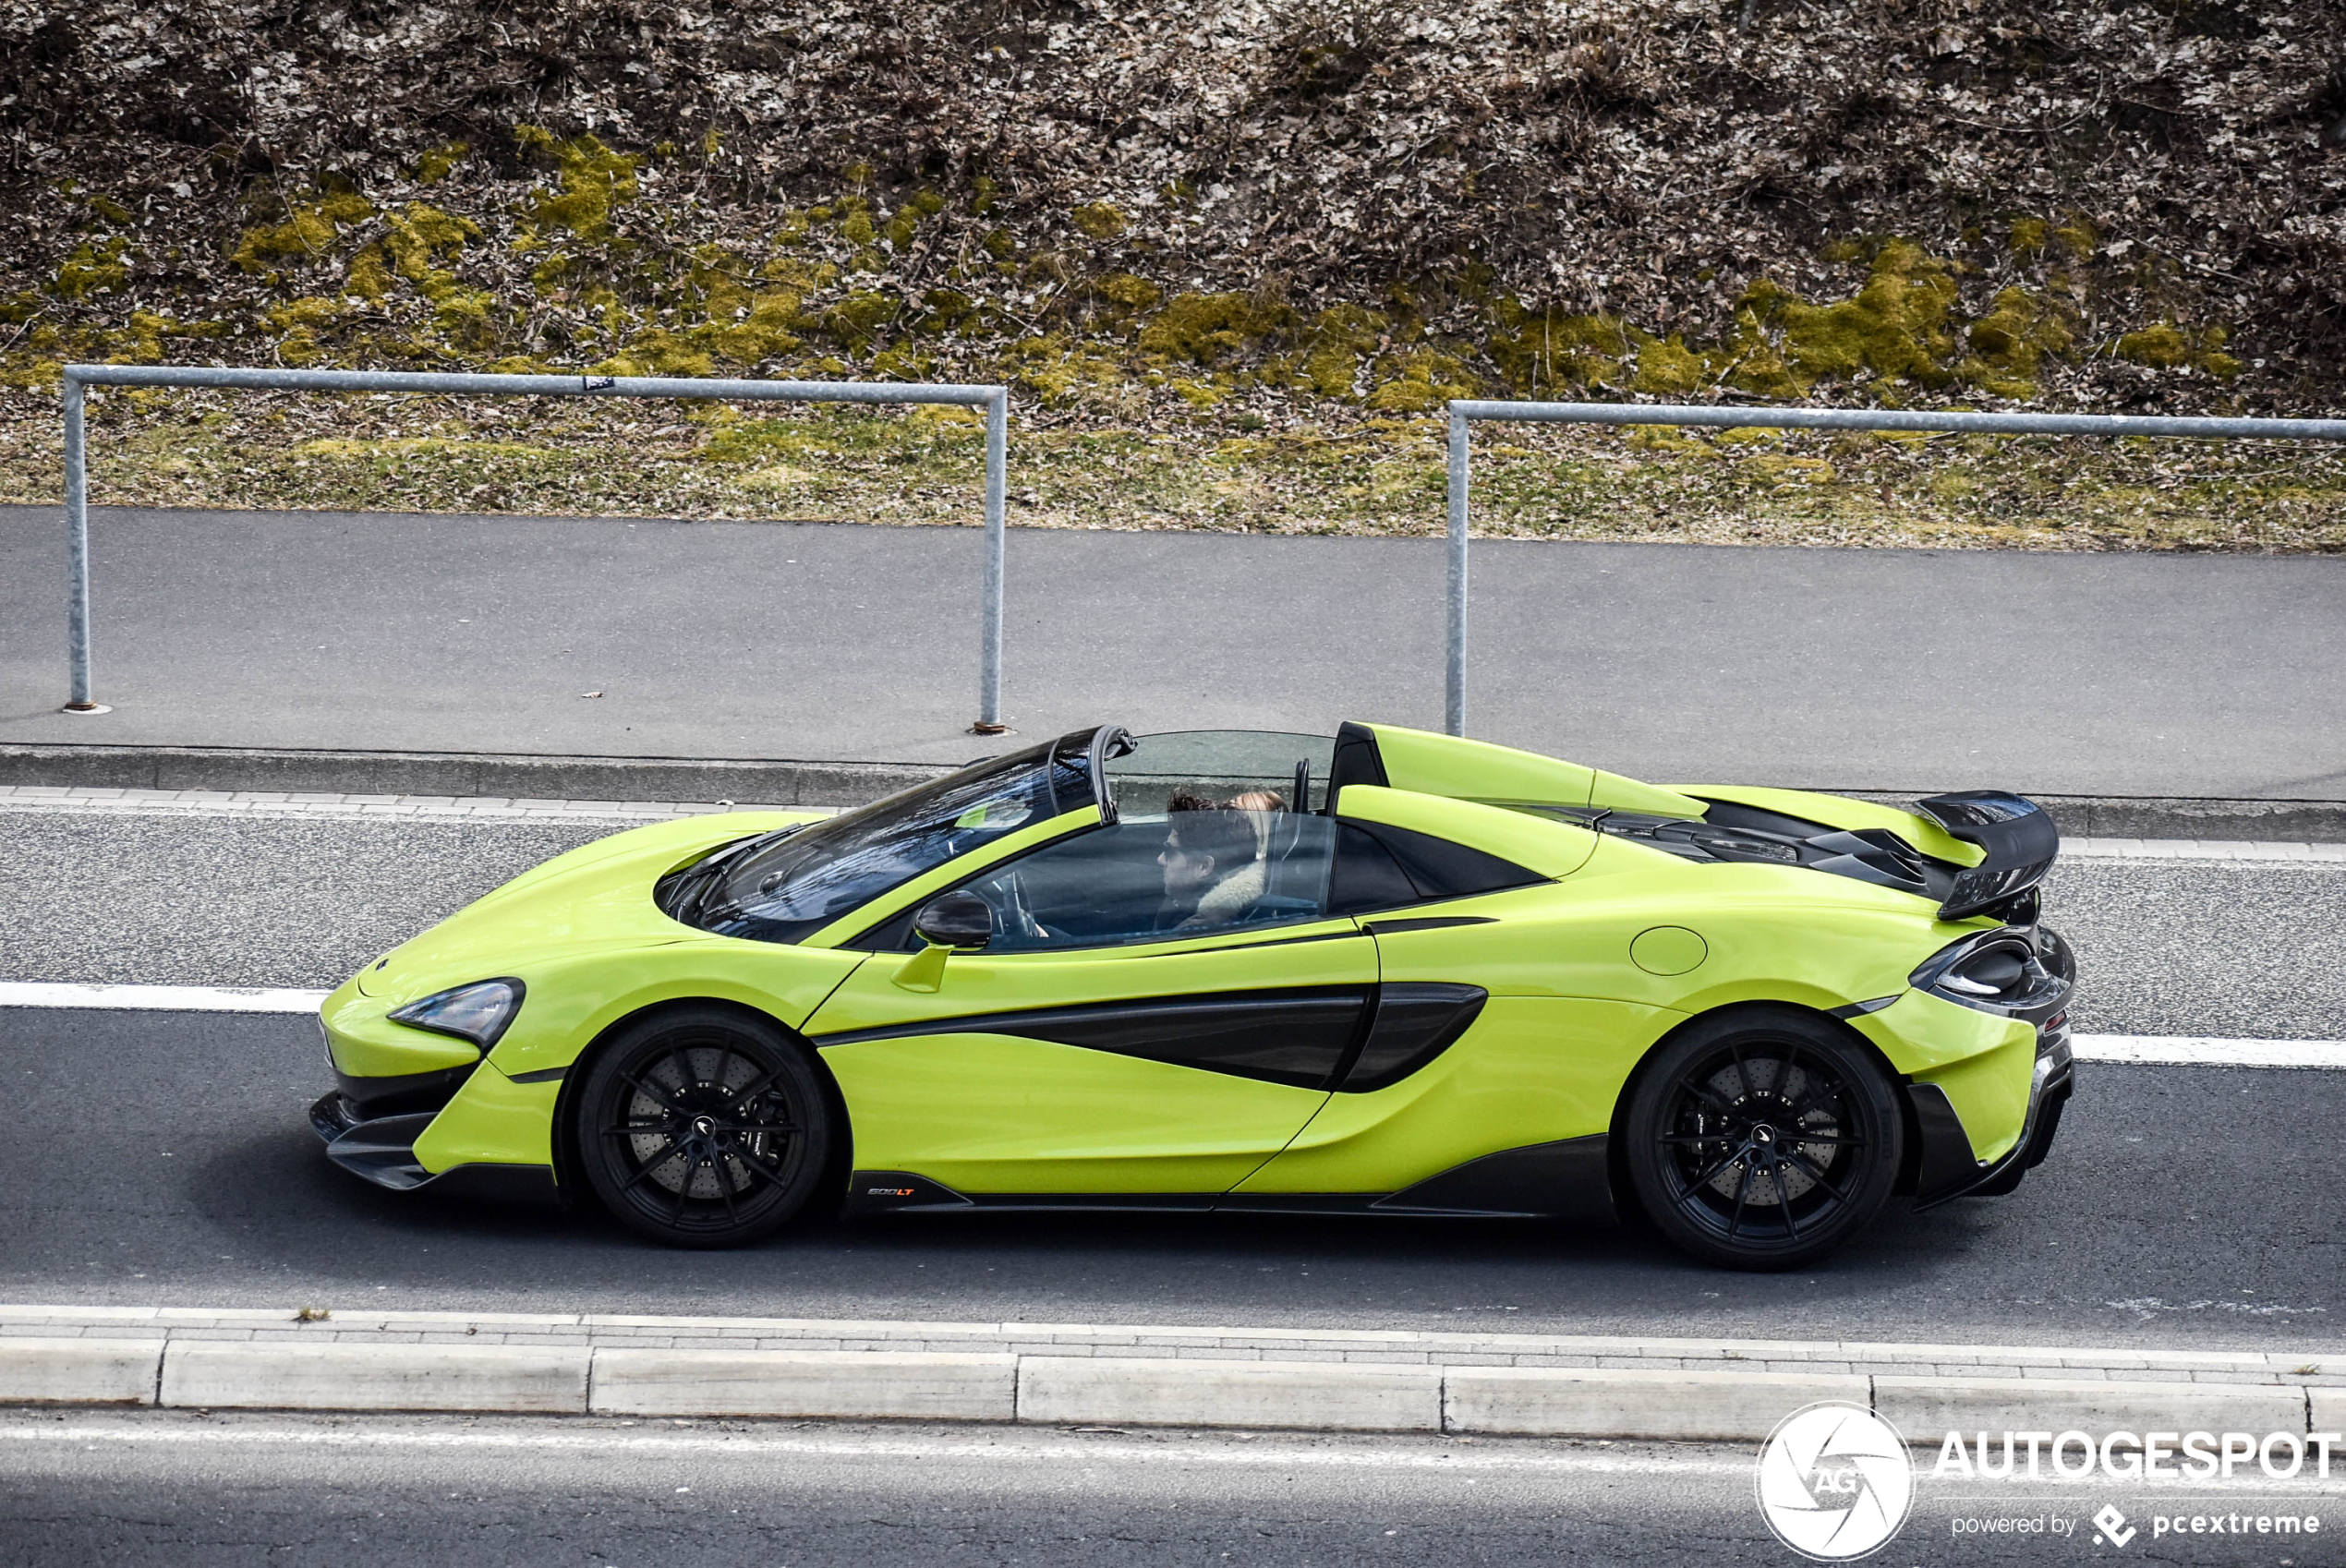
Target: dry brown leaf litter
[1236,229]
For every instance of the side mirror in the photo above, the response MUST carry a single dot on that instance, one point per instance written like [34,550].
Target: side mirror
[961,921]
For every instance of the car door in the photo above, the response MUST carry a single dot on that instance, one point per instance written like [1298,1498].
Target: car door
[1472,1052]
[1110,1039]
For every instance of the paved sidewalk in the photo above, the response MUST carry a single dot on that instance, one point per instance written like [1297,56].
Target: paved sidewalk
[2203,676]
[1085,1375]
[2325,1367]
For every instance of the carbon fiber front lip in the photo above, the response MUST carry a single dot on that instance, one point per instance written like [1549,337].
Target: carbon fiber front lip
[383,1151]
[331,1116]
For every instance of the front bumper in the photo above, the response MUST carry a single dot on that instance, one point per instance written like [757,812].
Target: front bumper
[1945,1169]
[382,1151]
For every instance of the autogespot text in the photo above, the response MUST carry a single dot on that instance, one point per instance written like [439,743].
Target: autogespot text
[2148,1456]
[2242,1459]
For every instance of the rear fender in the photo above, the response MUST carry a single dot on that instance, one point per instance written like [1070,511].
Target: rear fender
[1616,1141]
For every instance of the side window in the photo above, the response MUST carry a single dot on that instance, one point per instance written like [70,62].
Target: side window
[1386,868]
[1155,878]
[1367,877]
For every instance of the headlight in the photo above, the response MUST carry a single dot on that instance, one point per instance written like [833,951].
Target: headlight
[2022,973]
[478,1012]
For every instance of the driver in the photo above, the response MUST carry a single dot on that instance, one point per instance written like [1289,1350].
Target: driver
[1212,862]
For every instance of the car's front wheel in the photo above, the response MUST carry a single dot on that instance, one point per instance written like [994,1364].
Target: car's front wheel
[702,1128]
[1762,1139]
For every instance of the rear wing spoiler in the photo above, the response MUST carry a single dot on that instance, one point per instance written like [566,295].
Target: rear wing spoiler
[2014,832]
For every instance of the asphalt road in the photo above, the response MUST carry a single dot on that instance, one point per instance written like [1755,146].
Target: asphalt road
[2183,675]
[2169,948]
[164,1159]
[193,1491]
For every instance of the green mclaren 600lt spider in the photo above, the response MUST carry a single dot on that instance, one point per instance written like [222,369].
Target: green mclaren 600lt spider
[1382,973]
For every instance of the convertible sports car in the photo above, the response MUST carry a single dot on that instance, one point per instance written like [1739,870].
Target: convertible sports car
[1383,972]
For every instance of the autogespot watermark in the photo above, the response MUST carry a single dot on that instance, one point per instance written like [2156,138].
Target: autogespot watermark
[2142,1459]
[1836,1482]
[2126,1456]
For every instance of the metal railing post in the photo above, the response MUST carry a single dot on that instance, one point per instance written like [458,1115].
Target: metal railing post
[996,400]
[989,639]
[1453,685]
[78,698]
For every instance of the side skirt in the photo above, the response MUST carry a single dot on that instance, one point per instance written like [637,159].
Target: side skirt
[1569,1180]
[902,1193]
[1566,1180]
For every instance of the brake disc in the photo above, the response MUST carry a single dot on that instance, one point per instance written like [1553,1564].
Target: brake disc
[1765,1089]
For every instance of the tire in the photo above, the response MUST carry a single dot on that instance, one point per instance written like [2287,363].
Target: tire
[700,1126]
[1707,1153]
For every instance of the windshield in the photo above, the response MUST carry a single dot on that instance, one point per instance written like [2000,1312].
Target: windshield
[785,886]
[1223,764]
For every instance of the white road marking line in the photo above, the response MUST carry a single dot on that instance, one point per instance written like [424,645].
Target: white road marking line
[1278,1449]
[160,998]
[2203,849]
[2204,1051]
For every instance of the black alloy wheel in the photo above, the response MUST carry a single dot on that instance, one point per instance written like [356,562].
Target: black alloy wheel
[702,1128]
[1763,1140]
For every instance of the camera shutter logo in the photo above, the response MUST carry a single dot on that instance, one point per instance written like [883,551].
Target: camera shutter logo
[1835,1481]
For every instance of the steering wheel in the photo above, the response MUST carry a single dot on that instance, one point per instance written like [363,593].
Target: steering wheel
[1014,917]
[1020,911]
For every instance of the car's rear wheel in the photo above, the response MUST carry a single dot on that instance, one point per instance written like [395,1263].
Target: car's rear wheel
[703,1127]
[1762,1139]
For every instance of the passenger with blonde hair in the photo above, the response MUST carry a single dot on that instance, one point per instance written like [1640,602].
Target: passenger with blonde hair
[1258,804]
[1212,859]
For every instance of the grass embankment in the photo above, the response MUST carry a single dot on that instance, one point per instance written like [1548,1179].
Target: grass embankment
[1370,475]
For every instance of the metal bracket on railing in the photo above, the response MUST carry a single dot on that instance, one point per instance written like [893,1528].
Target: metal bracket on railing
[1465,409]
[996,400]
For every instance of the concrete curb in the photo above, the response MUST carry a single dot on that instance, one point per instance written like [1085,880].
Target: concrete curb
[462,774]
[80,1372]
[860,1385]
[2153,816]
[785,782]
[1622,1404]
[1627,1403]
[1939,1404]
[515,1379]
[1314,1395]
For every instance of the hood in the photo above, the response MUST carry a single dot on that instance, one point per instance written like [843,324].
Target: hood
[595,898]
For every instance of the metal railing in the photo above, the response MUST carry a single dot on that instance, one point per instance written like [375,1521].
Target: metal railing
[1465,409]
[993,399]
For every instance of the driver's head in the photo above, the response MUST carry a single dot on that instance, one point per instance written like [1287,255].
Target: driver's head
[1202,844]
